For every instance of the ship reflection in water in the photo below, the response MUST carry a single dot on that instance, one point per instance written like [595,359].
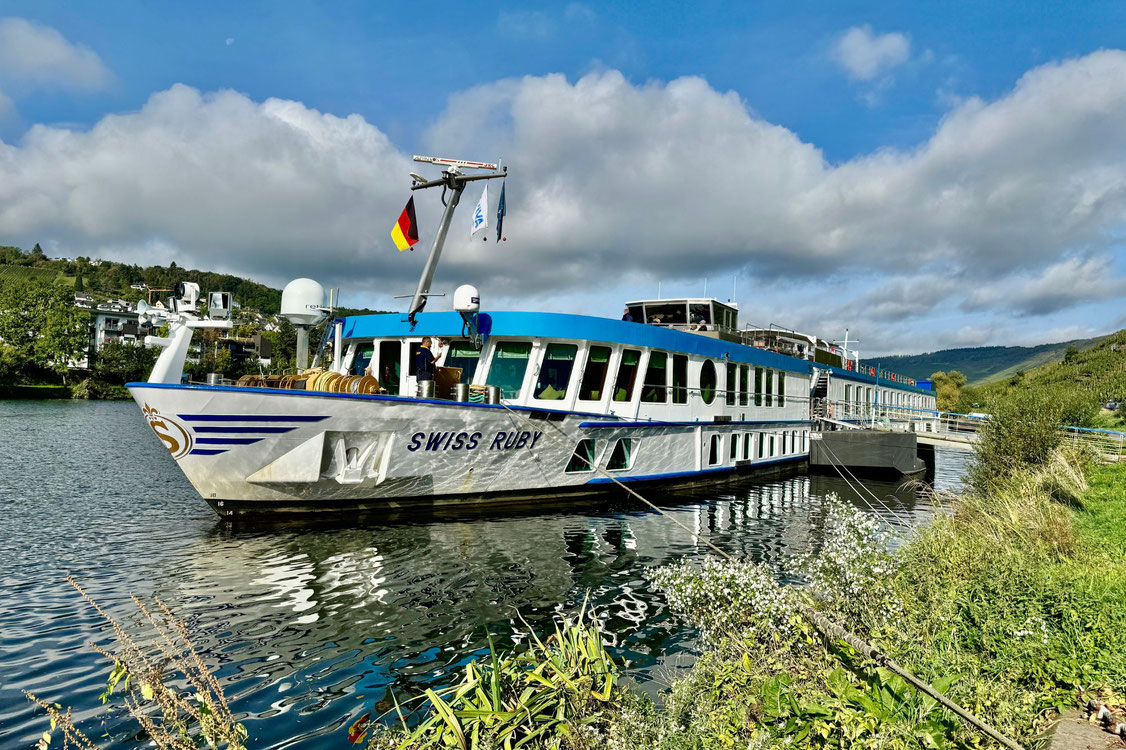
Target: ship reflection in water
[404,606]
[317,624]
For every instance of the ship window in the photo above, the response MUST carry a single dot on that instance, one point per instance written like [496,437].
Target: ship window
[733,452]
[653,388]
[583,457]
[729,398]
[769,387]
[363,357]
[621,458]
[389,366]
[463,354]
[744,376]
[555,371]
[758,386]
[761,444]
[680,379]
[707,381]
[594,377]
[781,388]
[747,438]
[667,314]
[713,450]
[637,312]
[700,314]
[627,374]
[772,452]
[510,362]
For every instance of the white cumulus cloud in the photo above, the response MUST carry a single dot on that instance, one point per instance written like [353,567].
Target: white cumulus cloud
[865,54]
[40,56]
[612,184]
[273,189]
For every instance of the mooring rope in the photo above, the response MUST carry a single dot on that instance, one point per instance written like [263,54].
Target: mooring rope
[837,464]
[827,627]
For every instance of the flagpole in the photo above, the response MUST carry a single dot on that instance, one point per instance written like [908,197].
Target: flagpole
[453,180]
[420,294]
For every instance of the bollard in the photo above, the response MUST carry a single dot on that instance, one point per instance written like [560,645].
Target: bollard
[461,392]
[492,394]
[426,389]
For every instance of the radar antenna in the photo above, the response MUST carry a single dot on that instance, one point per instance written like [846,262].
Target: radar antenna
[453,180]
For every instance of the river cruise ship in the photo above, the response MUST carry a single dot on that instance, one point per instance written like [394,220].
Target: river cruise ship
[523,406]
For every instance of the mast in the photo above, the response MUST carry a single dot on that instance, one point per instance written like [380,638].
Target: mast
[454,181]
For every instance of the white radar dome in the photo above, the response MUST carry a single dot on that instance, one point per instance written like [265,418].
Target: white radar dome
[467,299]
[301,300]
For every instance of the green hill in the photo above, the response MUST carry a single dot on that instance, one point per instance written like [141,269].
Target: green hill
[981,364]
[11,273]
[106,279]
[1080,384]
[1097,373]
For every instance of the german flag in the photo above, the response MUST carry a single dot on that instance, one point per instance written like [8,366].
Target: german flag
[405,231]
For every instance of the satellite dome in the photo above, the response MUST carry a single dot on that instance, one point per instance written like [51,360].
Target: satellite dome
[301,302]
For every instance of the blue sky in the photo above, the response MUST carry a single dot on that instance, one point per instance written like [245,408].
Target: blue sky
[825,99]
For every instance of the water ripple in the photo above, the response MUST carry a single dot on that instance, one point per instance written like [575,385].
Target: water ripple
[308,628]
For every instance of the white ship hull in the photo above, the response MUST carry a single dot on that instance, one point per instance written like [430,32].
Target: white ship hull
[255,451]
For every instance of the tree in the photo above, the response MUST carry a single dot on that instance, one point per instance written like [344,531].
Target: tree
[78,286]
[120,363]
[1070,355]
[948,388]
[41,325]
[9,364]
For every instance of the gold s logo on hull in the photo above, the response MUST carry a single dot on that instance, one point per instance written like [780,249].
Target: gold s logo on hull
[175,437]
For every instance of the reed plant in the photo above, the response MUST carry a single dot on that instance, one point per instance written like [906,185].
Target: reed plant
[554,694]
[160,679]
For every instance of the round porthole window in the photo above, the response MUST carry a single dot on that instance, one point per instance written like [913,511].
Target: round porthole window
[707,381]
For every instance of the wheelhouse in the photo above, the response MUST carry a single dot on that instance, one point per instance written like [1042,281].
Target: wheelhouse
[709,317]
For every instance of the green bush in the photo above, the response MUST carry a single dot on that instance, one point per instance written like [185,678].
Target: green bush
[91,389]
[1023,431]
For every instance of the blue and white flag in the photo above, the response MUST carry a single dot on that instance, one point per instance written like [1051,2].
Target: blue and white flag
[481,213]
[500,211]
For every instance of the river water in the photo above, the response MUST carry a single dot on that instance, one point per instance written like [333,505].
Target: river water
[312,626]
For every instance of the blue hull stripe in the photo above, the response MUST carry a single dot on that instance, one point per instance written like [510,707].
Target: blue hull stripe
[227,441]
[264,430]
[702,472]
[207,451]
[247,418]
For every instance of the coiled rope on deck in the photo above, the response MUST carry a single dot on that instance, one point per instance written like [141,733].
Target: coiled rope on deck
[827,627]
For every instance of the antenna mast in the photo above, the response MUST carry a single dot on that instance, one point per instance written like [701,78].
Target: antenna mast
[453,180]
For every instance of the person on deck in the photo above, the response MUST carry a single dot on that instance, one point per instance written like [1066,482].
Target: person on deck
[425,359]
[626,316]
